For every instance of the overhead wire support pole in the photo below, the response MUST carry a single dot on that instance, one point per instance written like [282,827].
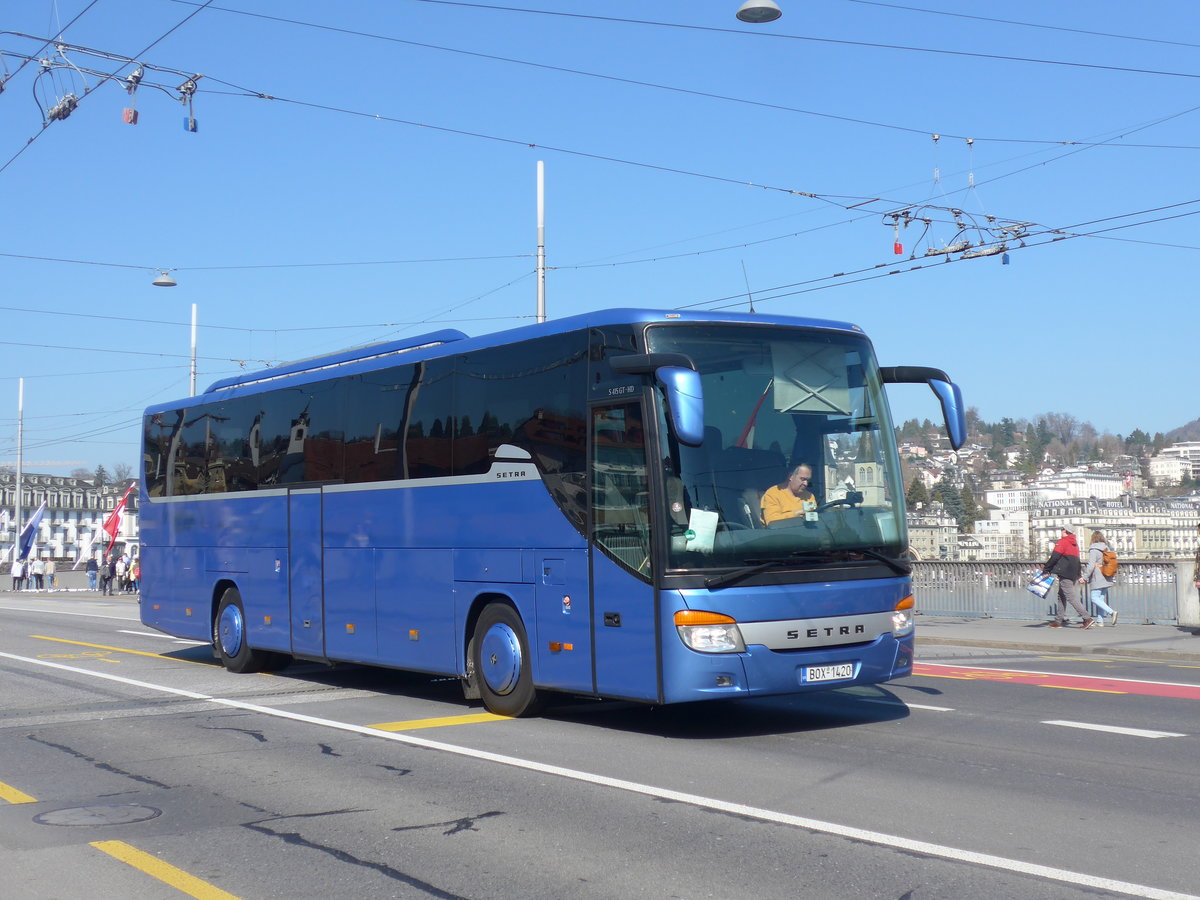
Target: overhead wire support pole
[193,366]
[541,241]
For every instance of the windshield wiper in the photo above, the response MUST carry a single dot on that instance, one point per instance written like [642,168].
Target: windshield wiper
[838,555]
[719,581]
[899,566]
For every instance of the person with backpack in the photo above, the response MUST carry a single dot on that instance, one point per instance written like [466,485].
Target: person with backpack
[1097,575]
[1064,564]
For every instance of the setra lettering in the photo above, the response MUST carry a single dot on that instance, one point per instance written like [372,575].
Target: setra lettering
[830,631]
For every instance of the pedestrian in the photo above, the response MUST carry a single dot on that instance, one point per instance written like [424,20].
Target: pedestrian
[107,573]
[51,582]
[93,572]
[137,576]
[1064,564]
[18,572]
[38,570]
[1098,583]
[1196,570]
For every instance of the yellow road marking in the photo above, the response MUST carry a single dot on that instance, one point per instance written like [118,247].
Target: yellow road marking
[164,872]
[414,724]
[88,654]
[12,795]
[1086,690]
[42,637]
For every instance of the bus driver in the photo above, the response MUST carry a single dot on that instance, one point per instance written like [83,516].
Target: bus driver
[791,498]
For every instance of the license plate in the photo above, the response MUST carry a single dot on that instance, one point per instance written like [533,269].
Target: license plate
[839,672]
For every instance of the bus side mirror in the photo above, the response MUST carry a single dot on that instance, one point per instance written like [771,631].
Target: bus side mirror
[946,391]
[685,402]
[950,397]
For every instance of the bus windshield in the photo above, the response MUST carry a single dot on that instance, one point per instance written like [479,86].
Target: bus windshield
[798,462]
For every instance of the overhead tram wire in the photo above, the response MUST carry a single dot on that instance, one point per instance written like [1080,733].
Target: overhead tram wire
[46,124]
[47,44]
[877,270]
[959,15]
[773,35]
[924,132]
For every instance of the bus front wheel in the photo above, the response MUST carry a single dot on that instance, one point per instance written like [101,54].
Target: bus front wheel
[500,652]
[230,638]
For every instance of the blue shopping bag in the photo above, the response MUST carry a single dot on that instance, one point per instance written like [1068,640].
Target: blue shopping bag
[1041,585]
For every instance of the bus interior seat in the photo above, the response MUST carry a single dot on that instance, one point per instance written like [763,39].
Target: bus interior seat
[697,463]
[743,476]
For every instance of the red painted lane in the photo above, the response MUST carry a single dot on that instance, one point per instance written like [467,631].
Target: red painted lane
[1070,682]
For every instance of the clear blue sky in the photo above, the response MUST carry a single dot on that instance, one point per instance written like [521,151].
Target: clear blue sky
[679,146]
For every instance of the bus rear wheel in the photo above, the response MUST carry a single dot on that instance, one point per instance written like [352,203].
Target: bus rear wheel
[230,638]
[500,653]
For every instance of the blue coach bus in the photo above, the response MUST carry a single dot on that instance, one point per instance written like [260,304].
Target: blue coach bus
[570,507]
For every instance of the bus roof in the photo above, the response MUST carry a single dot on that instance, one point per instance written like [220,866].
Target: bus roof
[434,344]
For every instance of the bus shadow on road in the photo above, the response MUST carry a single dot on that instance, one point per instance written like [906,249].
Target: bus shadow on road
[717,719]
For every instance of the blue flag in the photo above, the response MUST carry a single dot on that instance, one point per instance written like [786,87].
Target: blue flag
[29,532]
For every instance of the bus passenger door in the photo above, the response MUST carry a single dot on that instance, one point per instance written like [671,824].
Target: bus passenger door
[306,572]
[624,622]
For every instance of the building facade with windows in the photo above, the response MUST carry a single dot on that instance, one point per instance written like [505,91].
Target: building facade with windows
[75,510]
[1140,529]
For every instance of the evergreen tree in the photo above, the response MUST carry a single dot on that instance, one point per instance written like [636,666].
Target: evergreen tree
[916,493]
[951,500]
[100,477]
[971,511]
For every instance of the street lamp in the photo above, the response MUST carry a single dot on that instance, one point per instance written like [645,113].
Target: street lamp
[164,279]
[759,12]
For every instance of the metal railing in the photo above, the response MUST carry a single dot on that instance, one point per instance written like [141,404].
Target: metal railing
[1145,591]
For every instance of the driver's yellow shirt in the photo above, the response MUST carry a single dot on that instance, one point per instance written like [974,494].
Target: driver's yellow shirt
[780,503]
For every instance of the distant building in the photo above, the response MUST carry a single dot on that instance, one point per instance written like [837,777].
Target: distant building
[1139,529]
[75,508]
[932,534]
[1005,536]
[1166,470]
[1082,483]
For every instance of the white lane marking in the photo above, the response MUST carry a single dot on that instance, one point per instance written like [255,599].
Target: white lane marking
[906,704]
[59,612]
[1114,729]
[1058,674]
[738,809]
[165,637]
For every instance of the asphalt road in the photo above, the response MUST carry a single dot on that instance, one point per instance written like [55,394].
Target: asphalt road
[130,763]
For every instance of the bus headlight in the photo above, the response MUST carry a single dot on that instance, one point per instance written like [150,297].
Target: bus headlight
[709,632]
[902,618]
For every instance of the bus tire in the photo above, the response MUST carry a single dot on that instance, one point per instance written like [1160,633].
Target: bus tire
[500,652]
[230,638]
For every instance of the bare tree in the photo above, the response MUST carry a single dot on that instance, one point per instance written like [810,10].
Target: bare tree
[1063,426]
[122,471]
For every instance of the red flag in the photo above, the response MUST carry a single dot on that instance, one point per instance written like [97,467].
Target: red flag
[113,523]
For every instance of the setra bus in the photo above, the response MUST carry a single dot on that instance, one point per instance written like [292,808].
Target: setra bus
[571,507]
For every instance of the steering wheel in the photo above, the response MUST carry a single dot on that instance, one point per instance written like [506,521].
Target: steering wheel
[841,501]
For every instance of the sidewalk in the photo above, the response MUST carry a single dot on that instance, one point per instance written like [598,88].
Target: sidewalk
[1169,642]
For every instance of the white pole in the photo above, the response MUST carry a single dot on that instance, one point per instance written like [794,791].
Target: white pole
[20,447]
[193,370]
[541,241]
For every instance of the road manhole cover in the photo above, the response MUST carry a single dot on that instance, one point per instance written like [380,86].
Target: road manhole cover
[118,814]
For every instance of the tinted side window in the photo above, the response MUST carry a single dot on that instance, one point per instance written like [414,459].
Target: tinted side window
[375,407]
[233,428]
[162,439]
[301,434]
[429,421]
[529,395]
